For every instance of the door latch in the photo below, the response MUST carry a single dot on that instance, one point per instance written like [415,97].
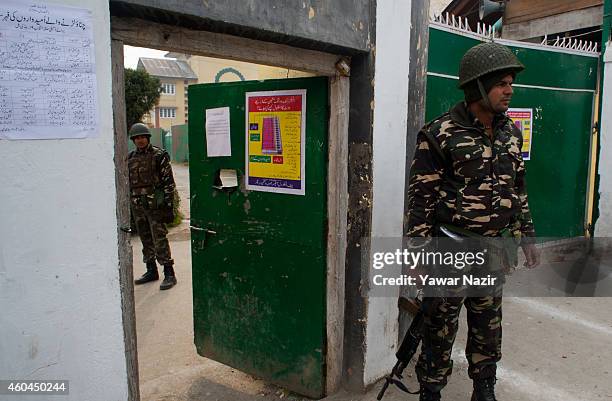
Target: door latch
[206,230]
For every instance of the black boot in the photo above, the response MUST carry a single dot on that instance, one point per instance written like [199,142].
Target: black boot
[484,390]
[169,278]
[150,275]
[427,395]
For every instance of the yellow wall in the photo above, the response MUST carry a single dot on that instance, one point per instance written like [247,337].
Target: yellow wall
[206,69]
[178,101]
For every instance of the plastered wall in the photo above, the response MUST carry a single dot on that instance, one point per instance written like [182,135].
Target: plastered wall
[59,280]
[389,158]
[334,23]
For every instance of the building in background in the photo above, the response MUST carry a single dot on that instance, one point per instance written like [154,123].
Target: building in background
[437,6]
[177,71]
[535,21]
[213,70]
[532,20]
[175,76]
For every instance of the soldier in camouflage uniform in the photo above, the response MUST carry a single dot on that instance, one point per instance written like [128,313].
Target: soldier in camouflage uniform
[468,171]
[152,193]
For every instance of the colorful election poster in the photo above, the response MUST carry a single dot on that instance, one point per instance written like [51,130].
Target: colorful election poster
[275,141]
[523,119]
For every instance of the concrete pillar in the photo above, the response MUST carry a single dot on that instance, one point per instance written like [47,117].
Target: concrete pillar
[603,226]
[389,158]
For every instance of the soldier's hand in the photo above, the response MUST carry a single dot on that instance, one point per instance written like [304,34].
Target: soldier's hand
[532,255]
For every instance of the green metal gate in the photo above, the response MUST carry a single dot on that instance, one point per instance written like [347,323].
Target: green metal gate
[259,258]
[559,86]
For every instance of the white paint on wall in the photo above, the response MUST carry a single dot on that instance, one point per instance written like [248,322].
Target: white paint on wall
[603,226]
[389,158]
[59,278]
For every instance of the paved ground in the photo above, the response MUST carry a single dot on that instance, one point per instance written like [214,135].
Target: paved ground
[555,349]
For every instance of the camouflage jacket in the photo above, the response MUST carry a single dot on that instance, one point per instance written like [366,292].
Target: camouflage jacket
[478,185]
[150,176]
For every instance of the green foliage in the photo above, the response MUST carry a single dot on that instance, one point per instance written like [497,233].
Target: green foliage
[178,216]
[142,92]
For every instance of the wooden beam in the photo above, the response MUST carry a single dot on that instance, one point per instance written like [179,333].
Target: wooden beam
[137,32]
[465,8]
[337,210]
[126,278]
[579,19]
[528,10]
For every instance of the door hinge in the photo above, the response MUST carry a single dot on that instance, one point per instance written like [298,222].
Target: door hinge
[595,128]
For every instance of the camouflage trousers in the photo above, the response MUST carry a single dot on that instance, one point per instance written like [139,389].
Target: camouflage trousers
[152,234]
[441,321]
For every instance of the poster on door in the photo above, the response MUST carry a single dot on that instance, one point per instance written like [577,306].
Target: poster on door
[523,119]
[275,141]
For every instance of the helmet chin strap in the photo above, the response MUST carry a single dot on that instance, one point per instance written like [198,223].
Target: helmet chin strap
[485,96]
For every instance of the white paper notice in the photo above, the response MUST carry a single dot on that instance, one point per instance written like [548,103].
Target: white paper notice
[218,141]
[47,72]
[229,178]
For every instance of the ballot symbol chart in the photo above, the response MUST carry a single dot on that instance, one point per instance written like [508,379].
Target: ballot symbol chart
[523,120]
[275,141]
[47,72]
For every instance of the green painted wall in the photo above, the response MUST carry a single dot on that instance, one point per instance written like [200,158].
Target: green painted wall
[180,143]
[558,170]
[167,141]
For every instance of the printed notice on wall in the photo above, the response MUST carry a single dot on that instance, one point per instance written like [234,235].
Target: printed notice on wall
[275,141]
[523,119]
[218,140]
[47,72]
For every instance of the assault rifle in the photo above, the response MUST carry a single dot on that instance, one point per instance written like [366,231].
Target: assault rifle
[407,349]
[413,336]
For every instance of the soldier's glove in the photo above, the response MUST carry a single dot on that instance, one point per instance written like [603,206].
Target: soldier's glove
[167,209]
[166,215]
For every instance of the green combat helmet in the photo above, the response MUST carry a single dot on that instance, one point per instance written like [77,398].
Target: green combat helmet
[139,129]
[484,59]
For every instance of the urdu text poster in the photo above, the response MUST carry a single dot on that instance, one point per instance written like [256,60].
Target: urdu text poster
[48,86]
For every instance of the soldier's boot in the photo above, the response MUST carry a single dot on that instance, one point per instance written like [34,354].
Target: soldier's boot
[169,278]
[150,275]
[484,390]
[427,395]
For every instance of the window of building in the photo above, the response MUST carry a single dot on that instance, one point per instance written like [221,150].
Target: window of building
[168,89]
[167,112]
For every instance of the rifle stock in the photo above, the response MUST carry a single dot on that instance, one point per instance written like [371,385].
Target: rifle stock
[407,349]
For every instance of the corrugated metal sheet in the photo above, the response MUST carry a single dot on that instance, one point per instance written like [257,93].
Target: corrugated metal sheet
[160,67]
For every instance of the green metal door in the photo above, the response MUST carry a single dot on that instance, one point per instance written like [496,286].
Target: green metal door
[559,86]
[259,258]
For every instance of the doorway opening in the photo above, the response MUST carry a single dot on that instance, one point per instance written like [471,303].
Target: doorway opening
[163,323]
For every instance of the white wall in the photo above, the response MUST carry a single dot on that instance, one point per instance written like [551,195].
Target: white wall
[389,159]
[603,226]
[59,282]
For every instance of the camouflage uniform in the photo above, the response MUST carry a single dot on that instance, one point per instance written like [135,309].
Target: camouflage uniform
[480,187]
[485,192]
[151,184]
